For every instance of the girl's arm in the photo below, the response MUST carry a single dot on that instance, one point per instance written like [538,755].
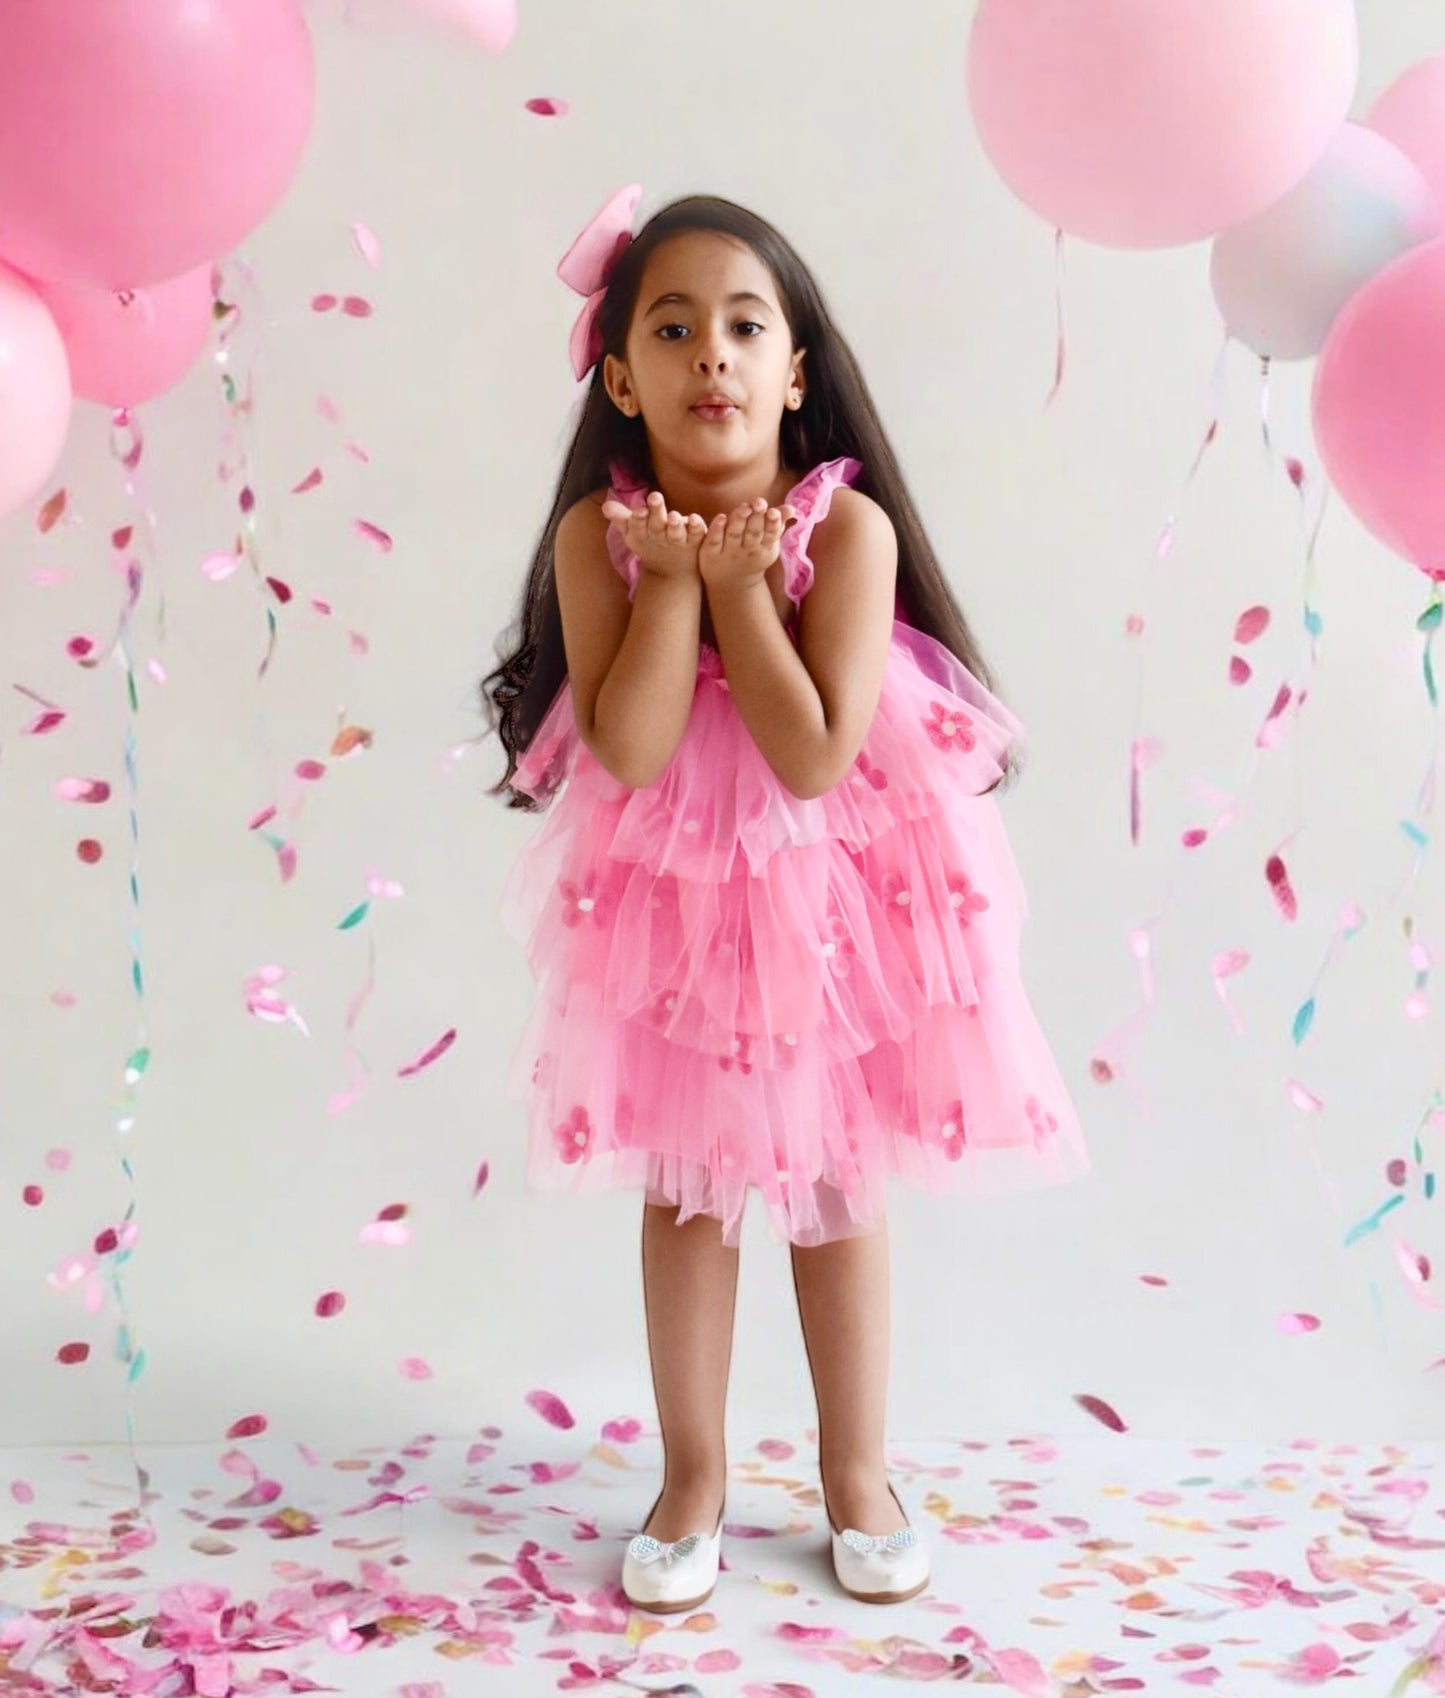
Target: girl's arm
[632,666]
[808,709]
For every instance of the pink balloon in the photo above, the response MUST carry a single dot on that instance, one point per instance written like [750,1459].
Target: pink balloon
[490,23]
[139,138]
[1411,113]
[34,392]
[1379,406]
[126,346]
[1148,123]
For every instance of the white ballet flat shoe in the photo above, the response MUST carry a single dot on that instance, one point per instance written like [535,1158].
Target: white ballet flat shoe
[679,1576]
[882,1568]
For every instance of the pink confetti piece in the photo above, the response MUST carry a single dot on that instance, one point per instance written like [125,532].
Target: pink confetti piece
[330,1303]
[551,1408]
[1272,732]
[219,567]
[265,1006]
[89,851]
[548,106]
[1277,874]
[410,1368]
[50,720]
[1303,1099]
[1292,1323]
[248,1427]
[310,771]
[622,1432]
[323,303]
[1240,671]
[479,1184]
[312,479]
[372,534]
[82,790]
[1154,1279]
[357,306]
[1252,623]
[79,647]
[328,409]
[366,244]
[49,515]
[1101,1411]
[70,1354]
[439,1048]
[1414,1266]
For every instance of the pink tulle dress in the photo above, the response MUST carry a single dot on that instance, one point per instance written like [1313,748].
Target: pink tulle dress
[737,988]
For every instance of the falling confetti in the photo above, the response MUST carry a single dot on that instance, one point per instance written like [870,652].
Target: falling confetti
[551,1408]
[439,1048]
[1101,1411]
[366,244]
[1280,888]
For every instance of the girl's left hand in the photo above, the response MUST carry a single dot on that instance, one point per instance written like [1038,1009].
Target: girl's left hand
[740,547]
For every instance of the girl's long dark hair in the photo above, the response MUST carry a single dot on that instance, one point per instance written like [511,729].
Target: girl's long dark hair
[837,418]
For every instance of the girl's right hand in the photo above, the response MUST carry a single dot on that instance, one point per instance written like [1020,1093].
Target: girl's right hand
[665,543]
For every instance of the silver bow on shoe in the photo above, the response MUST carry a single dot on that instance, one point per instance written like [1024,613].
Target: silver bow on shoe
[879,1544]
[644,1548]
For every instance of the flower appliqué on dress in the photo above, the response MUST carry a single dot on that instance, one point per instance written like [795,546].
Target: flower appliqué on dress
[874,775]
[839,946]
[739,1058]
[585,901]
[949,728]
[897,897]
[965,900]
[952,1133]
[574,1136]
[1043,1123]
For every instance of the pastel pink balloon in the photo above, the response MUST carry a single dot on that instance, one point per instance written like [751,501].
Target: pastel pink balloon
[489,23]
[126,346]
[1411,113]
[139,138]
[1379,406]
[1149,123]
[34,392]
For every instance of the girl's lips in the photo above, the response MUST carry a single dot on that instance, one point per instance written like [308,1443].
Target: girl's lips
[714,413]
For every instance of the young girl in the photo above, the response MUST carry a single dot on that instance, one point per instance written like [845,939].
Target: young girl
[773,916]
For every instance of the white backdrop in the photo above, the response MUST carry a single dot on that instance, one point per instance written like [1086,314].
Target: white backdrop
[853,137]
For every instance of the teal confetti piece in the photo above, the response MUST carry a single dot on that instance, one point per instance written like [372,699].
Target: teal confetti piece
[1429,1187]
[136,1065]
[1429,620]
[1371,1222]
[1430,689]
[1415,834]
[1313,623]
[1304,1019]
[354,918]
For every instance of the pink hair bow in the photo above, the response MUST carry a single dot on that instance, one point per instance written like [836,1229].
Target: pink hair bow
[586,266]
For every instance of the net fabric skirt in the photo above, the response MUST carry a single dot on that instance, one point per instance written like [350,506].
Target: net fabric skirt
[739,988]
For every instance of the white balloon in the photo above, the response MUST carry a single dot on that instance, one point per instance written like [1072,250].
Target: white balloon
[1281,277]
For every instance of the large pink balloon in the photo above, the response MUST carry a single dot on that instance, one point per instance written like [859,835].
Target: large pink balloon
[1379,406]
[1411,113]
[127,346]
[34,392]
[139,138]
[1148,123]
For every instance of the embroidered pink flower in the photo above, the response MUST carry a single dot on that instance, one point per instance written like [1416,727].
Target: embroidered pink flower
[897,897]
[739,1058]
[875,775]
[952,1132]
[966,901]
[585,901]
[574,1136]
[1043,1123]
[950,729]
[839,946]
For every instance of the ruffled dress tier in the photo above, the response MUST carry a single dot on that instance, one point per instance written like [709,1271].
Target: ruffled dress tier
[740,988]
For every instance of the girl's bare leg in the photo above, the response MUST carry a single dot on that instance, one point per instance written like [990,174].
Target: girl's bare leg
[690,1286]
[843,1303]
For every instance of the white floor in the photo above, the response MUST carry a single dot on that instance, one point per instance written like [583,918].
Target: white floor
[1095,1564]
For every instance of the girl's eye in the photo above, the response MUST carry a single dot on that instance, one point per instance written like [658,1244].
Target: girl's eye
[738,326]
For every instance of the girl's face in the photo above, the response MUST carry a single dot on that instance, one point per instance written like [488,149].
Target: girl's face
[707,318]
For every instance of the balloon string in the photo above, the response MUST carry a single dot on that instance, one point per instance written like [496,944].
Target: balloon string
[1060,346]
[1136,626]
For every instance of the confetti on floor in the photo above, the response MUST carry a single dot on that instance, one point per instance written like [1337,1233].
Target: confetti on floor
[1061,1568]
